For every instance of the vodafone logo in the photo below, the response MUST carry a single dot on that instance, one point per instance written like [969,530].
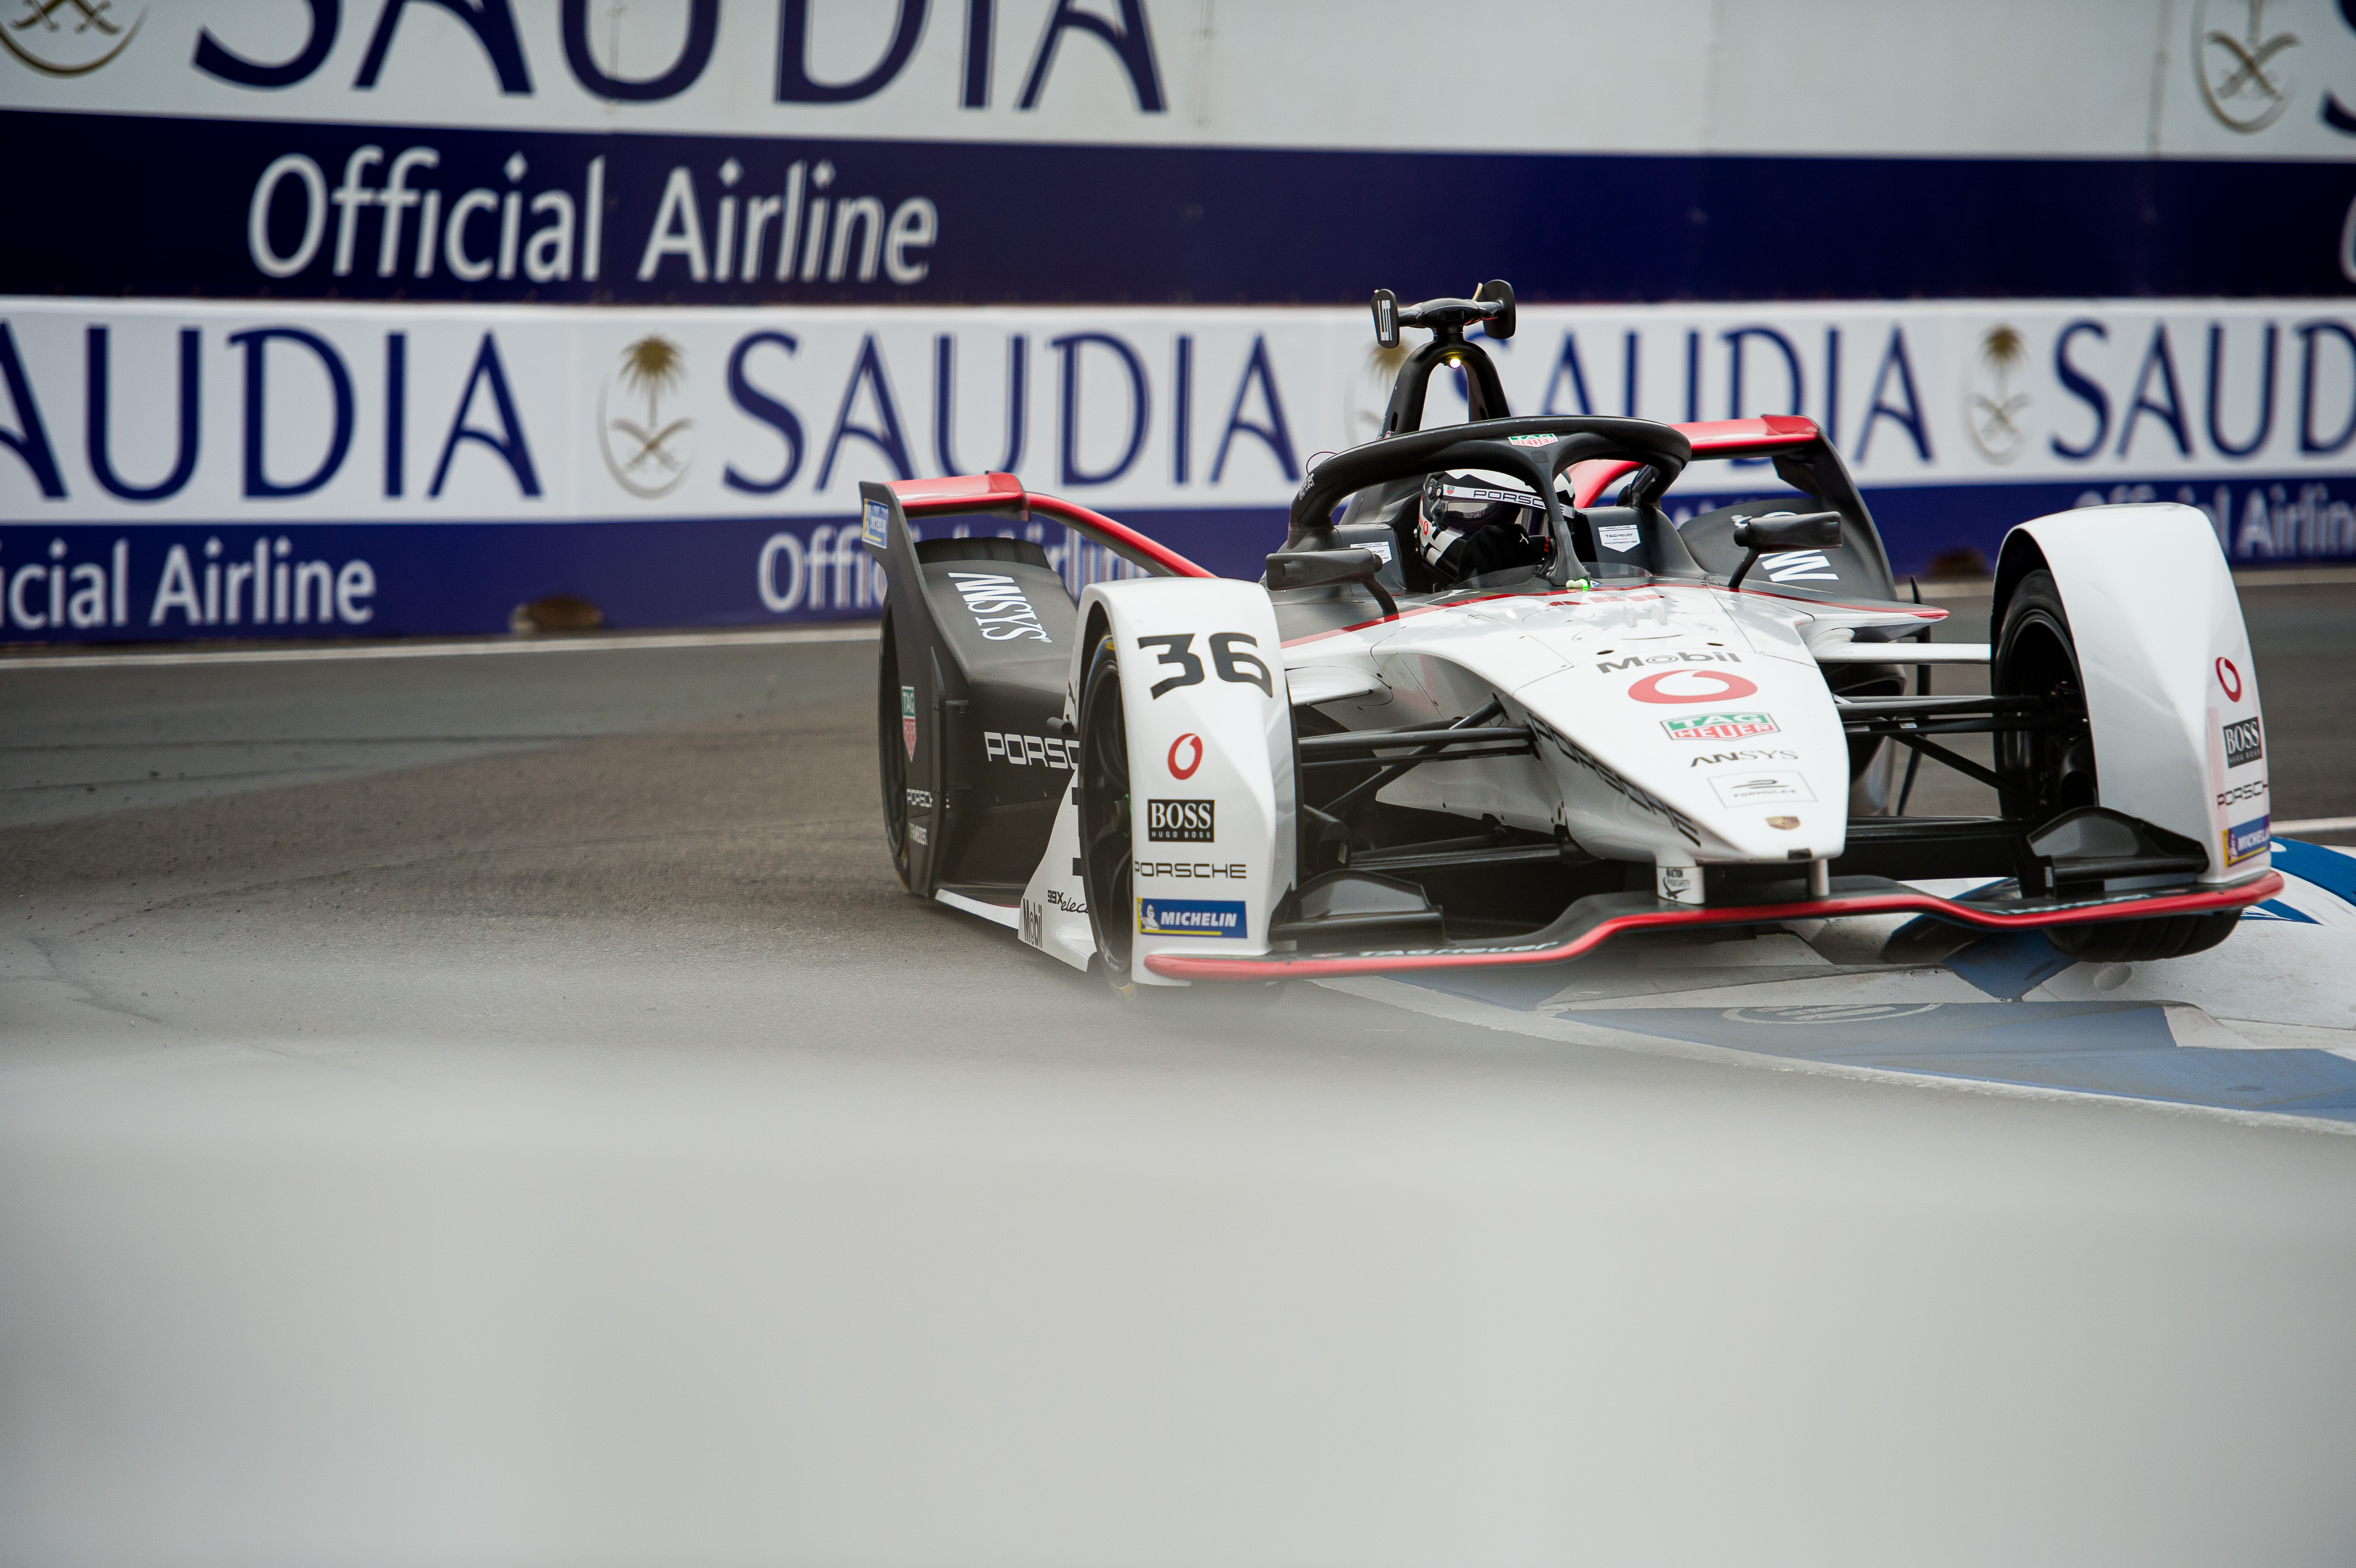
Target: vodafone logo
[1691,685]
[1191,744]
[2230,678]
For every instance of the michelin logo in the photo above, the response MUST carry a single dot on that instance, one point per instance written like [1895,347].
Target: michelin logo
[1191,917]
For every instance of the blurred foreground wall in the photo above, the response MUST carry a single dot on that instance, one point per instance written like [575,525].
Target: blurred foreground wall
[429,309]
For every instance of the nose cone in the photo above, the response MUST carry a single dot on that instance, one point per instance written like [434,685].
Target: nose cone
[1727,758]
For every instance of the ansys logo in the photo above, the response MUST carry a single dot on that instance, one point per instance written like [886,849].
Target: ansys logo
[68,38]
[2245,76]
[649,458]
[1991,408]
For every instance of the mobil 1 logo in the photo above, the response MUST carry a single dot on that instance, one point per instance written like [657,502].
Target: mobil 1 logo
[1181,821]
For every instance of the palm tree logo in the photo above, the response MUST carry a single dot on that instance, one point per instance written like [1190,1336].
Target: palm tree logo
[650,368]
[1995,420]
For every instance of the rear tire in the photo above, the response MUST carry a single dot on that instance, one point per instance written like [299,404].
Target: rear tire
[2144,941]
[1106,838]
[893,755]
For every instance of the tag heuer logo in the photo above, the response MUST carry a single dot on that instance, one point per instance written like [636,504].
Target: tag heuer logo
[1718,726]
[908,718]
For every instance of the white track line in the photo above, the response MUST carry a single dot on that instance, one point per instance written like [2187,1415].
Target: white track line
[2315,825]
[862,631]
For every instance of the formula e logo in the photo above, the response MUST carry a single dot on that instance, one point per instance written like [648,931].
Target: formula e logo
[998,608]
[2242,743]
[1640,659]
[908,719]
[1034,923]
[1191,745]
[1181,821]
[1191,917]
[2245,840]
[2229,681]
[1719,726]
[1689,686]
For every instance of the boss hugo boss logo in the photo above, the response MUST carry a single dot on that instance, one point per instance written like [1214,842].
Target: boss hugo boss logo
[2244,743]
[1181,821]
[1027,751]
[1192,871]
[998,608]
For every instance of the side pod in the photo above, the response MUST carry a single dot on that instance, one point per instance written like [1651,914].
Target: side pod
[981,637]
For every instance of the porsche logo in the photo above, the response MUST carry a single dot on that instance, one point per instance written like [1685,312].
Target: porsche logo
[68,38]
[2244,73]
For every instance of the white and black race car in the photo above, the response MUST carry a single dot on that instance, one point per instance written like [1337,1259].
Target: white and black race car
[1478,713]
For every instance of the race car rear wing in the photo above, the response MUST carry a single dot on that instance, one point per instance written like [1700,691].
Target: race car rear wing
[1803,459]
[1003,495]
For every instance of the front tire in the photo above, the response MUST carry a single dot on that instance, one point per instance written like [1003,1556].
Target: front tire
[2144,941]
[2047,772]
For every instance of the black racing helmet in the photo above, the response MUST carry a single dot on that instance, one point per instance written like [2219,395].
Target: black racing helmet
[1475,522]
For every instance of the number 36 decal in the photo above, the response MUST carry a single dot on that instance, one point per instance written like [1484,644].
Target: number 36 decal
[1243,668]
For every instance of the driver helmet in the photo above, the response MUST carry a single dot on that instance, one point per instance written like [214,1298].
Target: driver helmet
[1475,521]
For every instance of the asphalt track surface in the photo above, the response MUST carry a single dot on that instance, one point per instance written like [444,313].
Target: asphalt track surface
[501,1109]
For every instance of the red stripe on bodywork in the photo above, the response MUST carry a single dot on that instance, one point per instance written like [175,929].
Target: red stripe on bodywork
[997,492]
[1190,966]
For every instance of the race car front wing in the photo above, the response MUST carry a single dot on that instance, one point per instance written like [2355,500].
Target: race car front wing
[1594,920]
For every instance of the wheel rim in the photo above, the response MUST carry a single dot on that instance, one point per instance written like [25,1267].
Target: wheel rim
[1105,833]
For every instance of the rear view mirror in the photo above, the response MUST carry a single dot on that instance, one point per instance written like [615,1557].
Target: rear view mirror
[1808,530]
[1326,568]
[1783,531]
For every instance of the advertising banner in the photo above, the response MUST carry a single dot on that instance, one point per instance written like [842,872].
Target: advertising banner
[176,469]
[1175,151]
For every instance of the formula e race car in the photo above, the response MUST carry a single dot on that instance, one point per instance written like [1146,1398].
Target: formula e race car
[1479,712]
